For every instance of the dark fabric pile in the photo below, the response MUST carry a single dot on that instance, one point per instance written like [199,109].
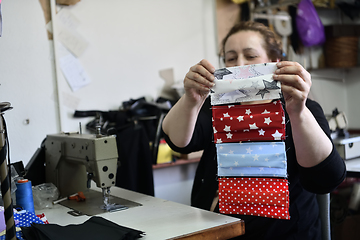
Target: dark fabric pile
[94,228]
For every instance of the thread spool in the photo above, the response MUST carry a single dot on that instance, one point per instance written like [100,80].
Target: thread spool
[24,196]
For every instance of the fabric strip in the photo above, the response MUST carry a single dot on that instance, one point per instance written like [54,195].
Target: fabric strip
[252,159]
[245,83]
[260,122]
[247,71]
[264,197]
[246,86]
[251,172]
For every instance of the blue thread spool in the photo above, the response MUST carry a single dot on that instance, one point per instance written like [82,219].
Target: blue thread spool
[24,196]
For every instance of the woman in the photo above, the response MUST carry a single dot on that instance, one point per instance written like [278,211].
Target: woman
[314,166]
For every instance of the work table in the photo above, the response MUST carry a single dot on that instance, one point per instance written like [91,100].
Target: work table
[158,218]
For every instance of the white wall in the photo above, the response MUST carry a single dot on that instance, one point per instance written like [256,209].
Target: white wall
[329,89]
[27,78]
[174,183]
[129,42]
[353,98]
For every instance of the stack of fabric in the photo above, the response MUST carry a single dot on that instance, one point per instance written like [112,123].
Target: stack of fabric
[251,155]
[22,218]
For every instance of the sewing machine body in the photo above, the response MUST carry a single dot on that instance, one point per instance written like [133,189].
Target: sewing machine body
[71,157]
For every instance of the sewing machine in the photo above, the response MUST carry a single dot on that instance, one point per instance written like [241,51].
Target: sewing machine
[72,160]
[346,144]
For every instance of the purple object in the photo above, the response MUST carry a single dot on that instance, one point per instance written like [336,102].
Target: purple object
[2,220]
[309,26]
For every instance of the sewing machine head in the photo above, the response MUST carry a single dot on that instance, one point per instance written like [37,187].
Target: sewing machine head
[73,160]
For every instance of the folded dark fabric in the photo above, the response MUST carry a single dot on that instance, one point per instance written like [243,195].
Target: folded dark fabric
[94,228]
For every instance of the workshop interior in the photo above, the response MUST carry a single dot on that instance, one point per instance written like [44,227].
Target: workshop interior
[84,90]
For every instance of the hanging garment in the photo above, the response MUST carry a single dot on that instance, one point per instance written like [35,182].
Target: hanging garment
[135,127]
[135,160]
[260,122]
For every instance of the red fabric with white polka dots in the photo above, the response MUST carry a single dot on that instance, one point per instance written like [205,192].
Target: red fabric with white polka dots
[260,122]
[265,197]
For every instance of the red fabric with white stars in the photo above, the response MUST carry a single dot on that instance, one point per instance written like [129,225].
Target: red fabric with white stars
[260,122]
[264,197]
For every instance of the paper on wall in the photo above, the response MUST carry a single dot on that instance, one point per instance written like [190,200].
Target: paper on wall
[72,41]
[74,72]
[67,24]
[66,18]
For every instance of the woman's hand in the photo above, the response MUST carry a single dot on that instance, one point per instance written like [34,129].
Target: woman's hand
[295,85]
[312,145]
[180,121]
[199,80]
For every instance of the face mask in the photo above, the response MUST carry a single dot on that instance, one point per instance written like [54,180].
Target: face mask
[265,197]
[259,122]
[265,159]
[244,84]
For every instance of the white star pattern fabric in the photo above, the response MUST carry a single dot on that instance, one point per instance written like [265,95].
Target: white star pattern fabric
[266,159]
[26,219]
[19,236]
[263,197]
[245,83]
[259,122]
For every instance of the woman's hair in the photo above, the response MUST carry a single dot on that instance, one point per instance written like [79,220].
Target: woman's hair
[272,46]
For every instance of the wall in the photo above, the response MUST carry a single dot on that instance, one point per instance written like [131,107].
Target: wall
[353,98]
[129,42]
[174,183]
[27,78]
[329,89]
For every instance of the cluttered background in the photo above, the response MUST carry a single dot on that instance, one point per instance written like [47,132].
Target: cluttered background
[125,57]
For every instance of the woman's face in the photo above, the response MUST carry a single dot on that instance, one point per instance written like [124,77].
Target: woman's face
[244,48]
